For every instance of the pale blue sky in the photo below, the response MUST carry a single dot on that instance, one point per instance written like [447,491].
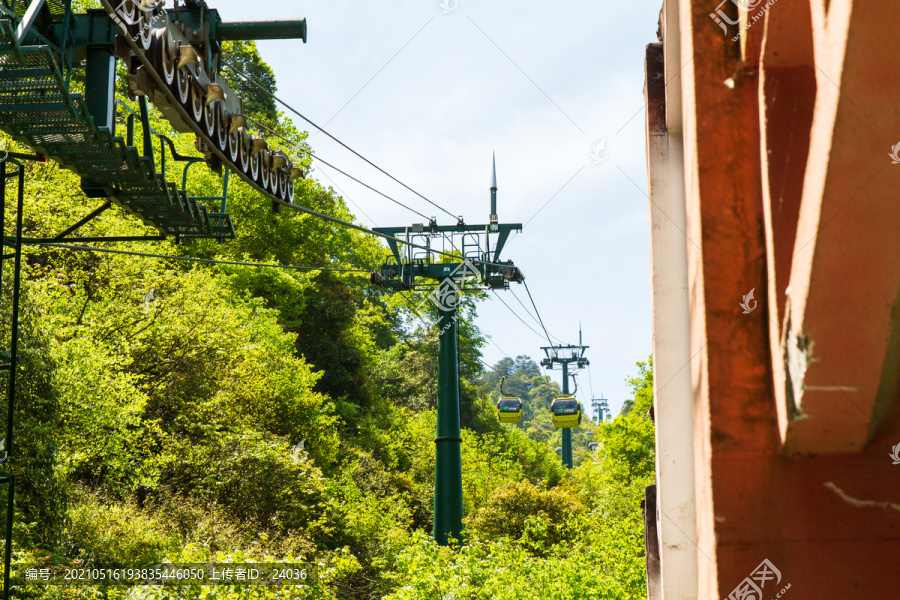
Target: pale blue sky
[429,95]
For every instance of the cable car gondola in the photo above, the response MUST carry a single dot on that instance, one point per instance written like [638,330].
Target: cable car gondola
[566,411]
[509,408]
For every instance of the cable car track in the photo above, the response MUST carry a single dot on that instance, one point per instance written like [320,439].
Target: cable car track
[200,99]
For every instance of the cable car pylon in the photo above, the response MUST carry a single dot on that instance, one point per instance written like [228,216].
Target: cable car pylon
[601,408]
[566,410]
[479,259]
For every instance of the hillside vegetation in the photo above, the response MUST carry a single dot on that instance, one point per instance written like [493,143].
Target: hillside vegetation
[162,406]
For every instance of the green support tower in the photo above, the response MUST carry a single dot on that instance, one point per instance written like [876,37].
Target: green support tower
[565,356]
[477,258]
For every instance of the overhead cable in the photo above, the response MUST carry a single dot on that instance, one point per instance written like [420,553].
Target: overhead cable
[256,83]
[194,259]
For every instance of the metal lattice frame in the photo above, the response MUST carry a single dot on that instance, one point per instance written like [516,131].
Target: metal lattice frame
[37,109]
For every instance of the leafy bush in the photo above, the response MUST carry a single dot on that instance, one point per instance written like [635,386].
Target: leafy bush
[255,478]
[520,508]
[116,533]
[495,570]
[40,487]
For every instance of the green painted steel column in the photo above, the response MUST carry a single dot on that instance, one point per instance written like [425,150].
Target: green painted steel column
[13,357]
[99,86]
[448,496]
[567,432]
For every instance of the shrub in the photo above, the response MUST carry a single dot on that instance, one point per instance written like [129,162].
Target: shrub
[254,477]
[520,508]
[116,533]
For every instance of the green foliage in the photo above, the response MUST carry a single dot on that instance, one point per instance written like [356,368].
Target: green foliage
[256,479]
[116,533]
[522,510]
[485,570]
[245,58]
[506,455]
[629,439]
[40,485]
[583,539]
[642,386]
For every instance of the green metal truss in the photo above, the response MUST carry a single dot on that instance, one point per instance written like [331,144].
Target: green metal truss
[37,109]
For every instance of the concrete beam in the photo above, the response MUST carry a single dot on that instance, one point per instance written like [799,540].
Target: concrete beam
[673,410]
[787,98]
[845,272]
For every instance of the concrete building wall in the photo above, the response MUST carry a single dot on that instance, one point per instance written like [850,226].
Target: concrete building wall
[789,109]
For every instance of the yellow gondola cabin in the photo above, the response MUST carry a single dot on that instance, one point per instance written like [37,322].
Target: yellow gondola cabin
[509,410]
[566,412]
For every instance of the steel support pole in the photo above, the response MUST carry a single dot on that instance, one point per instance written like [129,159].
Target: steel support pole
[12,366]
[566,432]
[6,478]
[448,495]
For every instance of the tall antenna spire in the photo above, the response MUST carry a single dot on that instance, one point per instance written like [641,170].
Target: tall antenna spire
[494,191]
[494,178]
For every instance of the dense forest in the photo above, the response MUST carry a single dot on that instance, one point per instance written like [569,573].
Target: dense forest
[188,412]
